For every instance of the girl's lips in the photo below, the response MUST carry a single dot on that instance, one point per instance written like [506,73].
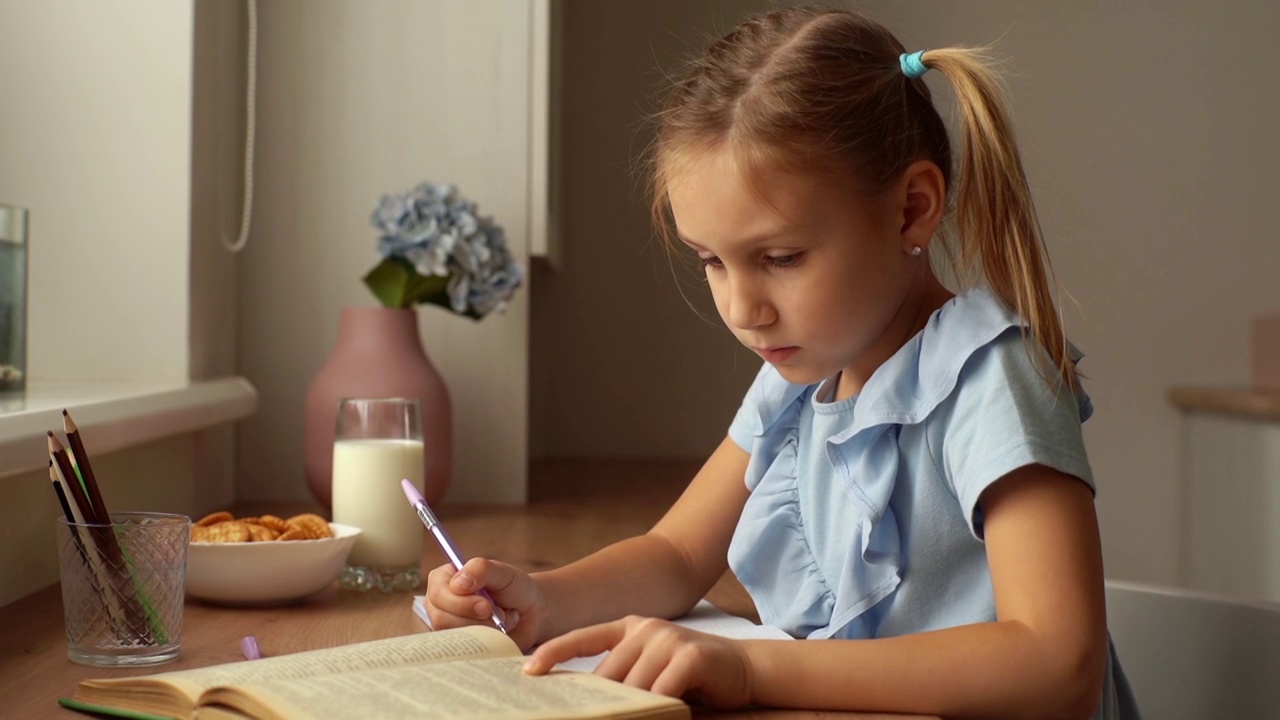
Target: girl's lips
[777,354]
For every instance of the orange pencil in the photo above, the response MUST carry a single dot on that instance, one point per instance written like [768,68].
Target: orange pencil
[86,471]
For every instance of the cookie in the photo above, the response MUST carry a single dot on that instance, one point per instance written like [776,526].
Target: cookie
[273,522]
[212,518]
[313,526]
[260,533]
[222,527]
[226,531]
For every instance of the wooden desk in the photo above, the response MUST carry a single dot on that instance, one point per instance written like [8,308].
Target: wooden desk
[575,510]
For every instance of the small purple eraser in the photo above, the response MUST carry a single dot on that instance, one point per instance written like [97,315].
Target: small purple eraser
[249,646]
[411,492]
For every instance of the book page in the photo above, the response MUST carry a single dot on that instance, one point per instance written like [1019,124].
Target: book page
[489,688]
[704,617]
[409,649]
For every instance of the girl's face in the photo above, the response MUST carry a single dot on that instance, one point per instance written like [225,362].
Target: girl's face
[814,278]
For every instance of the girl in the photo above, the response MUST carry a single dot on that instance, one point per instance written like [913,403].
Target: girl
[905,483]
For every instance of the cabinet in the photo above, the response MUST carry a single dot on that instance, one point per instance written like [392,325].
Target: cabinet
[1231,490]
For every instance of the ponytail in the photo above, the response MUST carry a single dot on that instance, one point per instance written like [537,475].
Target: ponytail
[999,235]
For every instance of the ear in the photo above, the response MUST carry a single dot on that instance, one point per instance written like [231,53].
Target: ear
[923,194]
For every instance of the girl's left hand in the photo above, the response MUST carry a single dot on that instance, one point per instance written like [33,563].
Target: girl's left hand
[657,655]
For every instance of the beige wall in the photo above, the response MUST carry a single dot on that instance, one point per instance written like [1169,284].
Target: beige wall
[1148,140]
[1145,127]
[356,100]
[621,365]
[218,125]
[217,182]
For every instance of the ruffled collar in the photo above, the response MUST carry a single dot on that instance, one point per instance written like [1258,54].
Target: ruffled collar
[903,391]
[919,376]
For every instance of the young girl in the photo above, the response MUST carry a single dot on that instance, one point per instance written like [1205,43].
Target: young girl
[905,484]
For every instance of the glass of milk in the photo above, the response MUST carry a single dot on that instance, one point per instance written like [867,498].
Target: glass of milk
[377,443]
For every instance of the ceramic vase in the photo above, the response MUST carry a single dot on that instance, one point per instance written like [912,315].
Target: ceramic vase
[378,354]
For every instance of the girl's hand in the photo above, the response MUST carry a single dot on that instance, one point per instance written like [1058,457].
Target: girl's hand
[452,599]
[659,656]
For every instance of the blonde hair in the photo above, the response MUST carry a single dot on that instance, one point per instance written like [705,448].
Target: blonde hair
[822,90]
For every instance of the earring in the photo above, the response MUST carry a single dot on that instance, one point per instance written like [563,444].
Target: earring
[916,250]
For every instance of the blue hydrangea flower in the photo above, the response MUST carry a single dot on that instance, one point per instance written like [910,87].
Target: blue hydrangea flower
[438,232]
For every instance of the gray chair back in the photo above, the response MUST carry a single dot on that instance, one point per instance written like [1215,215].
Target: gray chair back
[1196,655]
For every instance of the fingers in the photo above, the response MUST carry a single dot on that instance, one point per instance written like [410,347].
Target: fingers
[482,587]
[645,668]
[588,641]
[511,587]
[673,679]
[647,648]
[447,608]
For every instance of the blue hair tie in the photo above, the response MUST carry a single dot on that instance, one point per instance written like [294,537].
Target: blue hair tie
[913,64]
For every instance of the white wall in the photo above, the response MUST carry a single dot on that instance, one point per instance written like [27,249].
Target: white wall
[1146,128]
[119,131]
[358,100]
[95,139]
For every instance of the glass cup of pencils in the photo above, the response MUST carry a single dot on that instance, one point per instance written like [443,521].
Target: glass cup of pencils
[123,585]
[378,443]
[124,575]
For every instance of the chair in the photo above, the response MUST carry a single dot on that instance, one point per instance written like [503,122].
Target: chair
[1196,655]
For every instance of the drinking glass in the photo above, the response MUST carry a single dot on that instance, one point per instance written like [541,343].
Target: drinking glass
[122,587]
[378,443]
[13,299]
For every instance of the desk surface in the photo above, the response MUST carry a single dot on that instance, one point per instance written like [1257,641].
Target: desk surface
[569,516]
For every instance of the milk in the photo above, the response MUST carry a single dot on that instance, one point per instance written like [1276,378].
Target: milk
[367,494]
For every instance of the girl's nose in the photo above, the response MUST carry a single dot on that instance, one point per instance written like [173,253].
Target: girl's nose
[749,308]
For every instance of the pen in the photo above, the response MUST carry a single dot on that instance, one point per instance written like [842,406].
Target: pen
[429,519]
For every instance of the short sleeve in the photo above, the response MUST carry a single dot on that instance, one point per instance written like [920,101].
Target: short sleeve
[746,422]
[765,401]
[741,429]
[1004,415]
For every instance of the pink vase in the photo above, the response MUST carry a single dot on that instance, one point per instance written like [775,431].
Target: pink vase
[378,354]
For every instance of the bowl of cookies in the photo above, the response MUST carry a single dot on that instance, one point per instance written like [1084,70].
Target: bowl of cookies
[265,560]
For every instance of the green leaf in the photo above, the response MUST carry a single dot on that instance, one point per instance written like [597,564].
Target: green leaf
[396,283]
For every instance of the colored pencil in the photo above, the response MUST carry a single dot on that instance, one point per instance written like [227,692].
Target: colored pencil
[139,613]
[62,499]
[99,578]
[86,470]
[58,455]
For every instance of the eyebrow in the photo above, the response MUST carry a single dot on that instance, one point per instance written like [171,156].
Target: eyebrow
[751,241]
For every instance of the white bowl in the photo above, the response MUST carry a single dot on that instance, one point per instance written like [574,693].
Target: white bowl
[271,572]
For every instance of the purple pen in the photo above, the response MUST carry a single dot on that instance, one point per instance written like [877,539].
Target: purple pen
[429,519]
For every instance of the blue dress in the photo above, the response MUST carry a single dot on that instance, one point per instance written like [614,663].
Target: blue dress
[863,519]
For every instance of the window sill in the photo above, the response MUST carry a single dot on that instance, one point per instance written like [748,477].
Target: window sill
[115,416]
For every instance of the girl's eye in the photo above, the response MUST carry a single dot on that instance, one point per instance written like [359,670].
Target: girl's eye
[783,261]
[710,261]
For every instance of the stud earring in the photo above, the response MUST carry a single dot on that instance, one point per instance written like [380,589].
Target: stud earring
[916,250]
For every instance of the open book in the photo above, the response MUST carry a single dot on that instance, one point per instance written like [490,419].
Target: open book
[469,672]
[704,617]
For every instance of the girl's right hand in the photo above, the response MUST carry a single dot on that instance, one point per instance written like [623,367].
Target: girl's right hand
[453,601]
